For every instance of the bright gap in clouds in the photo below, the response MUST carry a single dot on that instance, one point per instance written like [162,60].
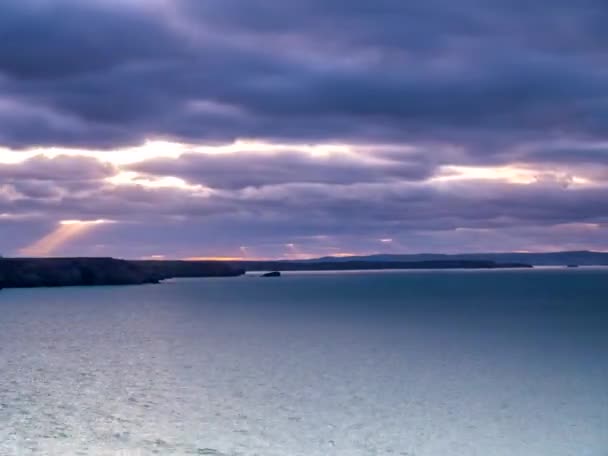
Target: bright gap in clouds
[518,174]
[149,150]
[133,178]
[511,174]
[165,149]
[85,222]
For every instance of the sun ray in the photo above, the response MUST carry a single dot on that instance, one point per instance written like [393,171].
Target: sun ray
[65,232]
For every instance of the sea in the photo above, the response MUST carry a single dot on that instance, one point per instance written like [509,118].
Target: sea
[395,363]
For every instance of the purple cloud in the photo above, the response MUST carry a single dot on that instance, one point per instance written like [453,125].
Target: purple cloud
[409,88]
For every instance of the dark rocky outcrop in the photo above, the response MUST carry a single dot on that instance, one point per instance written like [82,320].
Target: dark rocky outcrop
[60,272]
[272,274]
[55,272]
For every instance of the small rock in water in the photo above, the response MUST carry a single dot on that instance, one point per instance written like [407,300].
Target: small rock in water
[272,274]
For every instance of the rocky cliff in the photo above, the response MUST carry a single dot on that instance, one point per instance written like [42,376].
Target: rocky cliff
[60,272]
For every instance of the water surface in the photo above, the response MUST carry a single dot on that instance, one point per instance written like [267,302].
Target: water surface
[435,363]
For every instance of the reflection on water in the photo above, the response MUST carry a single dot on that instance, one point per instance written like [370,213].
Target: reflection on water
[412,363]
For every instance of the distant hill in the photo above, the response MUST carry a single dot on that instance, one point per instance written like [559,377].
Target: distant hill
[581,258]
[364,265]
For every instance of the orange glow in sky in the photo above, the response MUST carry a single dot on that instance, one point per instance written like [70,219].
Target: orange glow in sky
[219,258]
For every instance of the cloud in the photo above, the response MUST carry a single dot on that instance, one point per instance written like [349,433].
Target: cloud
[61,168]
[306,71]
[45,40]
[511,97]
[256,169]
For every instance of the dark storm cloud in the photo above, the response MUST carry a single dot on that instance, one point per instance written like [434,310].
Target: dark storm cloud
[60,168]
[315,70]
[304,209]
[406,206]
[39,184]
[430,24]
[45,40]
[573,155]
[245,169]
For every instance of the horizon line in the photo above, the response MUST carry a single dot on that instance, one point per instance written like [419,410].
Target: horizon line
[228,259]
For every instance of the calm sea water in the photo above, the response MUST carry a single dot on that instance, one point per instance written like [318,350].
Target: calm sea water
[395,363]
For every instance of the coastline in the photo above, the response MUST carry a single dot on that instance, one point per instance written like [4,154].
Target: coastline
[65,272]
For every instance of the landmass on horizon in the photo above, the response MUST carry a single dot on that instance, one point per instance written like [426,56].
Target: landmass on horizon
[558,258]
[53,272]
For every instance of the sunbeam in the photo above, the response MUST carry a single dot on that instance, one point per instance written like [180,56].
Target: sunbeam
[66,231]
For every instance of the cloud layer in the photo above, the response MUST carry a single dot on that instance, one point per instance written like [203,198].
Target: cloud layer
[479,125]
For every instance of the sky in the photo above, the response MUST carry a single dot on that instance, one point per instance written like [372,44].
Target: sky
[302,128]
